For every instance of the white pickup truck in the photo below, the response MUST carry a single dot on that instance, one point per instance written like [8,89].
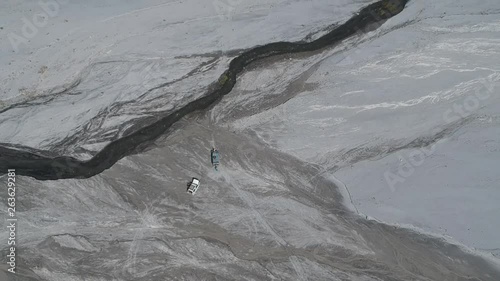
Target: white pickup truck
[195,183]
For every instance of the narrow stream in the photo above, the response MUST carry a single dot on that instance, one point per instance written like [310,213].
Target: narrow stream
[46,168]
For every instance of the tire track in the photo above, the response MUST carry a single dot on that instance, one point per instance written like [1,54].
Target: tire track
[299,271]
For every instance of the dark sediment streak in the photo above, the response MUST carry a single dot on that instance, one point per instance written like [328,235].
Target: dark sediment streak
[47,168]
